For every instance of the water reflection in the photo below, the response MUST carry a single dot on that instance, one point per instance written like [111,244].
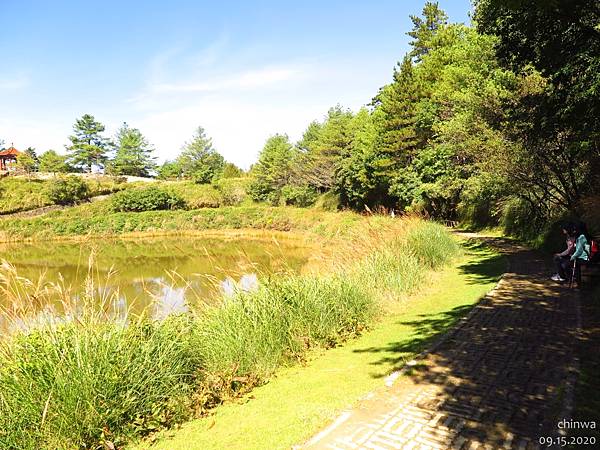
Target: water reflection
[248,282]
[155,276]
[170,300]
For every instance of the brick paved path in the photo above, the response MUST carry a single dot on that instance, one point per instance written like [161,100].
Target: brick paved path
[500,380]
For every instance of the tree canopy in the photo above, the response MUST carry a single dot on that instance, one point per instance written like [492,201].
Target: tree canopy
[88,146]
[50,161]
[133,153]
[555,120]
[496,123]
[199,160]
[273,170]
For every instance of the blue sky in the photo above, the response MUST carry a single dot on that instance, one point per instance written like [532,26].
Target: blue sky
[242,70]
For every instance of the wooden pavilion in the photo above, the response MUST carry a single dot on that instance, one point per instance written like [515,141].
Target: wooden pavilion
[8,158]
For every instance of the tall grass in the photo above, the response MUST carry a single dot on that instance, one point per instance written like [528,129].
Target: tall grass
[90,381]
[78,384]
[256,332]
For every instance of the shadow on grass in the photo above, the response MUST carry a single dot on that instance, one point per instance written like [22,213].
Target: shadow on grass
[485,270]
[425,332]
[429,327]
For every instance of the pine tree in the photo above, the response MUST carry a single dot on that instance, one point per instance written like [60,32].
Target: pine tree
[399,136]
[88,146]
[397,140]
[30,151]
[170,170]
[26,163]
[425,29]
[323,145]
[356,181]
[199,160]
[230,170]
[273,169]
[133,153]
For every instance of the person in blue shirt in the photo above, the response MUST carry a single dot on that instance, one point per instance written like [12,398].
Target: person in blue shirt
[581,255]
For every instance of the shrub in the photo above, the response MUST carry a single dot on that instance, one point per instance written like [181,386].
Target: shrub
[302,196]
[481,199]
[117,179]
[106,185]
[67,190]
[149,198]
[203,196]
[232,191]
[329,201]
[521,220]
[204,202]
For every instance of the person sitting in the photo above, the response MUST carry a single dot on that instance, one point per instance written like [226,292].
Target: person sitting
[563,260]
[581,255]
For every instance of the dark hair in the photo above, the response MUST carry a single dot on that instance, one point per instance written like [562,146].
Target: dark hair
[571,229]
[581,228]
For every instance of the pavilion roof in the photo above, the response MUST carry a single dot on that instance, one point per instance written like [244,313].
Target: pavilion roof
[11,151]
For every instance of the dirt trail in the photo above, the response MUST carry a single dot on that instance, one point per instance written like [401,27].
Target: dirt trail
[501,380]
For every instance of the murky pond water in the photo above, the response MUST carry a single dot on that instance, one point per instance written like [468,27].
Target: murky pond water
[158,275]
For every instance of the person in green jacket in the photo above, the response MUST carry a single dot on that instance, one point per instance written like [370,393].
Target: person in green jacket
[582,250]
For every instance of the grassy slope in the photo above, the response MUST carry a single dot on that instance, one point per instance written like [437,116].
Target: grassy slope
[98,219]
[22,194]
[300,400]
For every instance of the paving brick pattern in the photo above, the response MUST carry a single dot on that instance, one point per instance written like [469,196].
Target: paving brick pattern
[500,380]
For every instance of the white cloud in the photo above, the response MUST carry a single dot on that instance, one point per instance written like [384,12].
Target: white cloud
[212,53]
[239,108]
[238,100]
[238,129]
[161,91]
[267,76]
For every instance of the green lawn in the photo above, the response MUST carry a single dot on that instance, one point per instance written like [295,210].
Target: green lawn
[300,400]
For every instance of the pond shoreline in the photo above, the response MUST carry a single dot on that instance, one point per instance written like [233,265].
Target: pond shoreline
[142,277]
[95,220]
[225,233]
[154,374]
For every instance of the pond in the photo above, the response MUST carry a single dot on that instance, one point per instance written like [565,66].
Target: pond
[159,276]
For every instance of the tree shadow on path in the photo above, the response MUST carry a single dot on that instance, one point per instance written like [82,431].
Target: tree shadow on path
[503,374]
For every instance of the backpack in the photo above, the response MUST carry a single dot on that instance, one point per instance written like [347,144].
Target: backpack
[594,252]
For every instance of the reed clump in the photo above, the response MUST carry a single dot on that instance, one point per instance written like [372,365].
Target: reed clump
[88,381]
